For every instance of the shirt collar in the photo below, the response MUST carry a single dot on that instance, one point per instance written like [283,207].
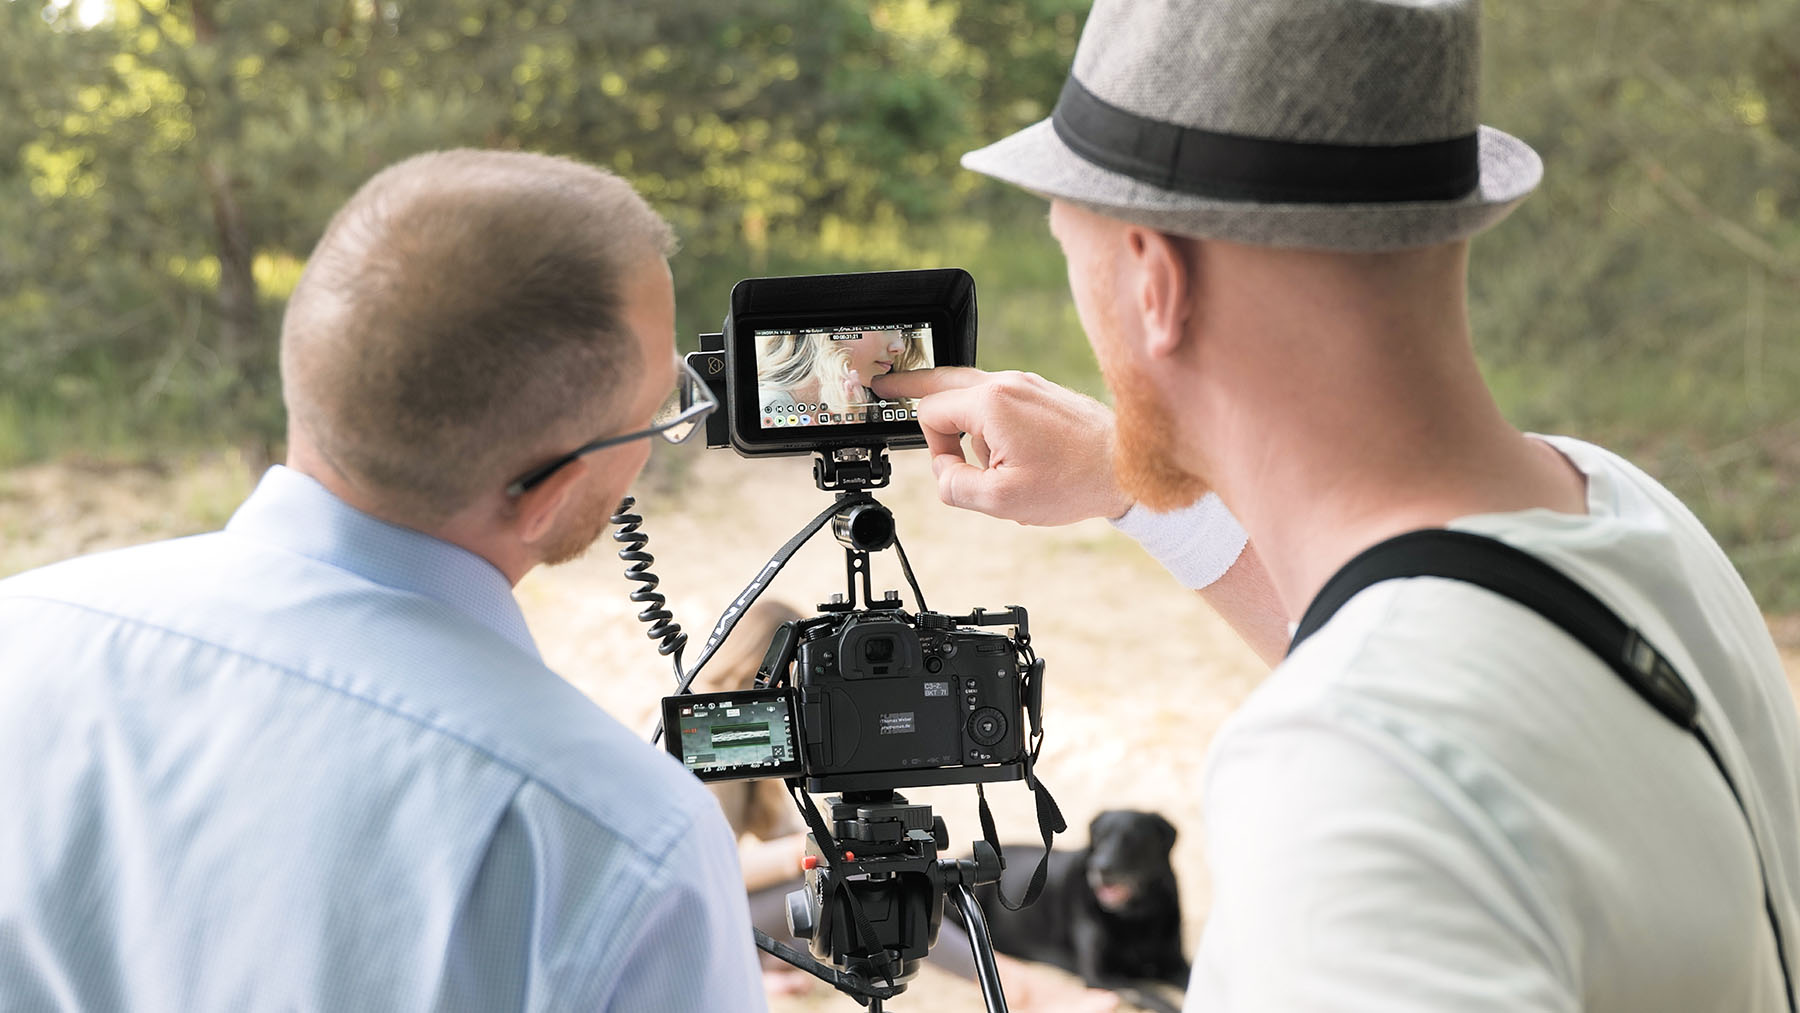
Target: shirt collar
[293,511]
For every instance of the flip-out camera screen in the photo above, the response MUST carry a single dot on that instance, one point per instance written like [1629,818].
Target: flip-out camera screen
[821,376]
[720,736]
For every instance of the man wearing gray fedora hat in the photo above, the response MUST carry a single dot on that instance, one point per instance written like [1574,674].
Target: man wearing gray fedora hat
[1441,799]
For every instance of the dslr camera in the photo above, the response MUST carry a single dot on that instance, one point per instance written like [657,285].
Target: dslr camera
[876,699]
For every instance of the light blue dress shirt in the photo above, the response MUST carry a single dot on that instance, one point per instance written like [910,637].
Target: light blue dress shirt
[314,761]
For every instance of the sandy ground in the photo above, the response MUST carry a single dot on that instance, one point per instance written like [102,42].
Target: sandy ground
[1140,672]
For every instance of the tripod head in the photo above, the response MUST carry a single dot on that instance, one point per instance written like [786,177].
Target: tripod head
[873,909]
[888,862]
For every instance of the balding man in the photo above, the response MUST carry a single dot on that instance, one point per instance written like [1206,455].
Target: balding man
[1441,800]
[314,761]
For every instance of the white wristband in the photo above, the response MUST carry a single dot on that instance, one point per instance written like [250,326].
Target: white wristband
[1196,543]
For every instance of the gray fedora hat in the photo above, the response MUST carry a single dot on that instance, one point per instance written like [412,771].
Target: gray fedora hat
[1329,124]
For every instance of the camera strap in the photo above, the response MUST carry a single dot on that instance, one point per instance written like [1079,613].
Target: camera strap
[747,597]
[1049,814]
[1535,584]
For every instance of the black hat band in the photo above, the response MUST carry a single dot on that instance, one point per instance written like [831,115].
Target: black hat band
[1236,167]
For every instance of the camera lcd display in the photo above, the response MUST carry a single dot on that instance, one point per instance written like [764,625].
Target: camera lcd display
[719,736]
[821,375]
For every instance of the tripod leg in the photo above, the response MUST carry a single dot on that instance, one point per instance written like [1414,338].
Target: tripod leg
[986,970]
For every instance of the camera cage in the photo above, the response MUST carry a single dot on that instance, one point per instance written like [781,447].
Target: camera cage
[772,674]
[863,526]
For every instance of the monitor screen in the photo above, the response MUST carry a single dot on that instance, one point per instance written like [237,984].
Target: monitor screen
[820,376]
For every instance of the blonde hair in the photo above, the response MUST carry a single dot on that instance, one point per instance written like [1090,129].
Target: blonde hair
[788,360]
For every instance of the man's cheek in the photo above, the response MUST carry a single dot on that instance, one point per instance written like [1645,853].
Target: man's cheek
[1080,288]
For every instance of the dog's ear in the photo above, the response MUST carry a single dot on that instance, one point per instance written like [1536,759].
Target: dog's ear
[1094,824]
[1166,829]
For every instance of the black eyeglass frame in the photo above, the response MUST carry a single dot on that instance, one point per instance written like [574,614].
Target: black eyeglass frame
[695,413]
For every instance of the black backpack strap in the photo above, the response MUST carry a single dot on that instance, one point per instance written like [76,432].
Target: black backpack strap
[1542,588]
[1526,579]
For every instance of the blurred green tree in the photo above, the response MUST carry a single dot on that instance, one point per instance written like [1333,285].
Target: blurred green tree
[165,166]
[175,161]
[1649,297]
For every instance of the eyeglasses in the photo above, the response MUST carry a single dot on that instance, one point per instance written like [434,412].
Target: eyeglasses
[687,406]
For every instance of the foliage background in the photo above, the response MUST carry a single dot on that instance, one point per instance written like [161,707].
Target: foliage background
[165,168]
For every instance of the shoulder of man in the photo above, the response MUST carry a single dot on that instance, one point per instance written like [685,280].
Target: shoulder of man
[316,622]
[81,577]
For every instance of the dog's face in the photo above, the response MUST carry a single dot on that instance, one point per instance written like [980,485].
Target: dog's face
[1127,852]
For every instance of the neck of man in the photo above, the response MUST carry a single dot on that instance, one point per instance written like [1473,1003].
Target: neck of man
[1343,405]
[465,530]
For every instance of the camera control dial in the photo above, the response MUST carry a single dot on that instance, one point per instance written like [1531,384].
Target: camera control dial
[987,726]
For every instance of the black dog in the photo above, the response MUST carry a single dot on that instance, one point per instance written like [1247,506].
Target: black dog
[1109,913]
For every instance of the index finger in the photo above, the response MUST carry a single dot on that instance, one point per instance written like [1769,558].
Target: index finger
[921,382]
[946,417]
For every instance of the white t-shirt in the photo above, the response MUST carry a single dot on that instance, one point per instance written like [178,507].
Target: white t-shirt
[1443,802]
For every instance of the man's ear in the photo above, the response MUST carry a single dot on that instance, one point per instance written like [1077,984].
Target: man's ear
[536,509]
[1161,287]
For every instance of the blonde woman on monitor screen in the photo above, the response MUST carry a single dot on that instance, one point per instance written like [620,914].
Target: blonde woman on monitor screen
[833,368]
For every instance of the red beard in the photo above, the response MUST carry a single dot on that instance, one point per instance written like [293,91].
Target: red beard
[1146,461]
[572,540]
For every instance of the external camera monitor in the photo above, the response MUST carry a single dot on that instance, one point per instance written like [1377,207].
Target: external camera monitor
[725,736]
[796,362]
